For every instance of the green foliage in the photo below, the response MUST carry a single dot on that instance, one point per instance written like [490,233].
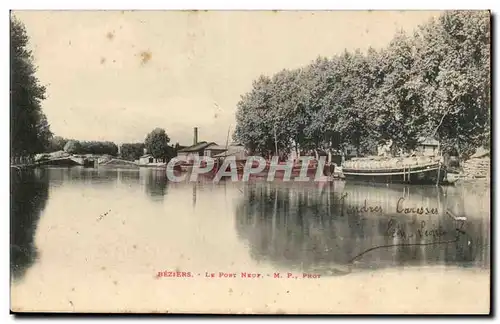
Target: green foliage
[132,151]
[157,144]
[435,82]
[29,132]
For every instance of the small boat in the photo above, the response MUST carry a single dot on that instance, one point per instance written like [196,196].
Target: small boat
[409,170]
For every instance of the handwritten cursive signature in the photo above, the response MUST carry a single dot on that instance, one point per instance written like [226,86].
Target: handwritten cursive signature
[370,208]
[421,210]
[395,230]
[365,208]
[422,231]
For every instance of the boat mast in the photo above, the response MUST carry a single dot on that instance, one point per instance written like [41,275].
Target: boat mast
[275,141]
[219,160]
[227,140]
[439,163]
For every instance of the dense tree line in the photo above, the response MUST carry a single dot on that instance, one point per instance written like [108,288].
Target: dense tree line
[58,143]
[156,144]
[132,151]
[91,147]
[433,83]
[29,129]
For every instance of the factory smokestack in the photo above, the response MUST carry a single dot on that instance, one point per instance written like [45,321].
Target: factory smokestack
[195,138]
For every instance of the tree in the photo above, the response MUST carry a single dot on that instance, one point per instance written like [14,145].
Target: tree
[318,100]
[435,82]
[57,143]
[73,147]
[156,144]
[44,135]
[397,104]
[255,125]
[132,151]
[356,76]
[453,61]
[29,131]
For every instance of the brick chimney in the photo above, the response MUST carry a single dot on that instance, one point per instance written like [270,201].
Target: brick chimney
[195,139]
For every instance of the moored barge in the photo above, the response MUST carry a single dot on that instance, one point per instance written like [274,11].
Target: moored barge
[408,170]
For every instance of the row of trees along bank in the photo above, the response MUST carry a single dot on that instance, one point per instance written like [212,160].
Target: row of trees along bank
[156,144]
[435,82]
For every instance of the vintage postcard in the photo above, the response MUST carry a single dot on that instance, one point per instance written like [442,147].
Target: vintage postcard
[250,162]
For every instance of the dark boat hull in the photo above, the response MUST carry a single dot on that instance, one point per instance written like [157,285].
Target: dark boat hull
[427,174]
[279,174]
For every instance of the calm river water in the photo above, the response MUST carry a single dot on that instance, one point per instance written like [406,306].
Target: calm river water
[96,239]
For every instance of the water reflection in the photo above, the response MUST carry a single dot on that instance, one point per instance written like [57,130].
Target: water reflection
[155,183]
[80,175]
[309,226]
[29,191]
[153,180]
[113,230]
[337,226]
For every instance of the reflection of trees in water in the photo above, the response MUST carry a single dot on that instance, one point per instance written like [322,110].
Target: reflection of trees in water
[98,176]
[29,191]
[315,229]
[129,177]
[155,182]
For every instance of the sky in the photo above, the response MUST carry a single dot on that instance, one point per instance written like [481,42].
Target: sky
[117,75]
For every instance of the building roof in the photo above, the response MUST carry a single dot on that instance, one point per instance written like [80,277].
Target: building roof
[428,141]
[237,151]
[198,147]
[216,147]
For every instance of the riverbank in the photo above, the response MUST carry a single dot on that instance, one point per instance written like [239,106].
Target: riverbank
[463,180]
